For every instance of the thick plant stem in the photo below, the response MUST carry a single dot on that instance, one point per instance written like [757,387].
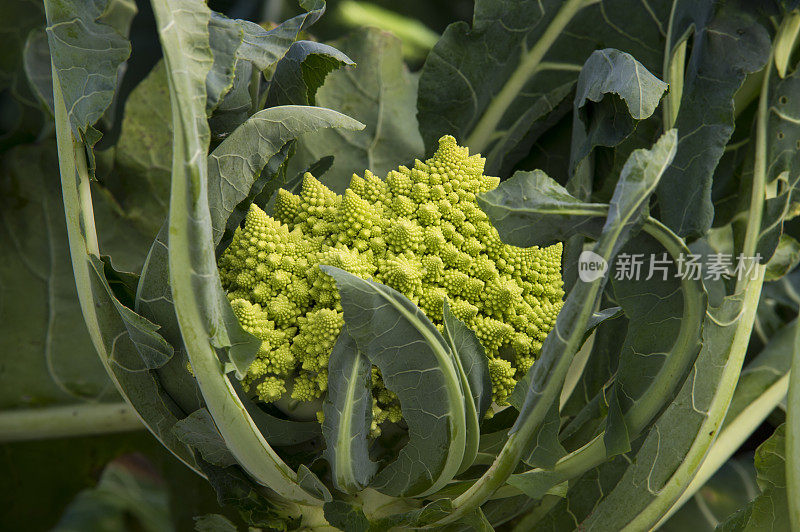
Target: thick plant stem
[732,436]
[750,288]
[192,266]
[484,130]
[82,236]
[85,419]
[669,376]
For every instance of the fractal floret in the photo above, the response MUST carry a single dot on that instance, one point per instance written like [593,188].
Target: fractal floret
[419,231]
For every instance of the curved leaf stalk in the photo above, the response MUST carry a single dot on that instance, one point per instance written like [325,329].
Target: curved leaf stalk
[566,337]
[482,133]
[82,236]
[750,289]
[793,436]
[670,375]
[66,421]
[182,27]
[731,437]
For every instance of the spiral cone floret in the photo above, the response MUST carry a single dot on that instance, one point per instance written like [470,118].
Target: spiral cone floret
[421,232]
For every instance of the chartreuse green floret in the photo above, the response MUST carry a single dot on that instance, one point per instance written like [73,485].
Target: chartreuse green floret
[419,231]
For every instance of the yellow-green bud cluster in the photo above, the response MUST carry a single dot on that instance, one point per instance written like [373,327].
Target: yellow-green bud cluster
[421,232]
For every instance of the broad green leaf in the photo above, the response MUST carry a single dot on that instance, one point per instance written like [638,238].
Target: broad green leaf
[106,327]
[143,154]
[600,366]
[154,302]
[243,51]
[783,159]
[236,164]
[547,448]
[86,51]
[473,368]
[204,314]
[768,511]
[345,516]
[488,83]
[762,385]
[727,44]
[656,314]
[199,432]
[48,355]
[417,364]
[533,199]
[152,350]
[264,48]
[224,37]
[609,79]
[348,416]
[380,92]
[692,419]
[302,71]
[128,494]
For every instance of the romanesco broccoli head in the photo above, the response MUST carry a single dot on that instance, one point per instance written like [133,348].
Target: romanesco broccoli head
[419,231]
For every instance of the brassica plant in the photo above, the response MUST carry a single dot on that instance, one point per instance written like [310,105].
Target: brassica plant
[543,279]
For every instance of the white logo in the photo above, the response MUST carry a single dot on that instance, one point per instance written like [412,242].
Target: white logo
[591,266]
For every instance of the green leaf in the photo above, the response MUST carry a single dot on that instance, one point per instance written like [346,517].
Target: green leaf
[604,122]
[86,53]
[302,71]
[533,199]
[206,320]
[727,44]
[129,494]
[152,350]
[546,449]
[199,432]
[473,368]
[416,363]
[264,48]
[344,516]
[143,153]
[600,366]
[785,258]
[379,92]
[783,158]
[768,511]
[656,313]
[235,165]
[690,418]
[348,416]
[48,354]
[489,83]
[224,37]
